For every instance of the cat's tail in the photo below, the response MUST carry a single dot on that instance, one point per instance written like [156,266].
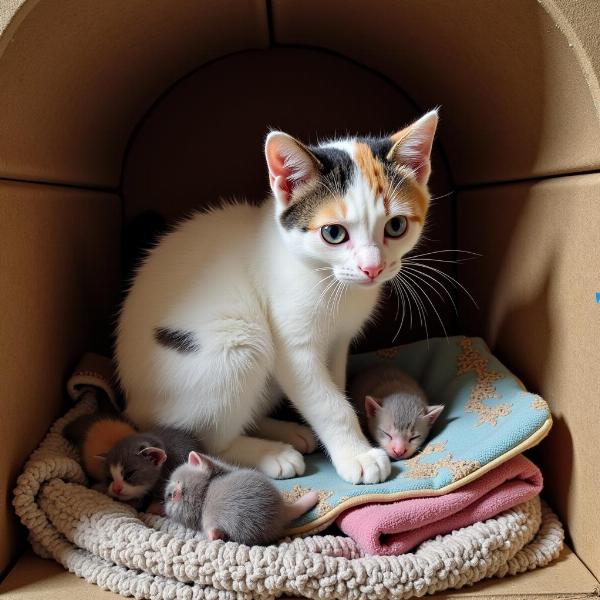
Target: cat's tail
[299,507]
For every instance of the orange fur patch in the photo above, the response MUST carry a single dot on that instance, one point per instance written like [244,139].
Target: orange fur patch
[330,213]
[101,437]
[372,170]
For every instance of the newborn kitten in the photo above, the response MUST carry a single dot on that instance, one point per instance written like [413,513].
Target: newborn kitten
[396,412]
[140,465]
[95,434]
[224,502]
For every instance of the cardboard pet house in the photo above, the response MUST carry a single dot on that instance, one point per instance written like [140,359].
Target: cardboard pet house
[112,109]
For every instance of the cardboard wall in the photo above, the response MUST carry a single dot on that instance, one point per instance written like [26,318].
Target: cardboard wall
[536,283]
[59,273]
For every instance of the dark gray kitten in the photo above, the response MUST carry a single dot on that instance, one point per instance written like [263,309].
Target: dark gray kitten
[228,503]
[140,464]
[394,409]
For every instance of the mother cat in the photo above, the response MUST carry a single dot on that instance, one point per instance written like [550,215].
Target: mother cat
[242,303]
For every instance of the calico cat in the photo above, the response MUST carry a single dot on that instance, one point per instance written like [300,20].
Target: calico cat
[225,503]
[242,304]
[395,411]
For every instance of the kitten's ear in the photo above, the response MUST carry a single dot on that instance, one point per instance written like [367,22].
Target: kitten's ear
[433,412]
[412,146]
[156,455]
[291,164]
[372,405]
[199,460]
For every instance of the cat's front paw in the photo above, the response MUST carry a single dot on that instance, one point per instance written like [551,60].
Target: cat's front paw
[372,466]
[281,462]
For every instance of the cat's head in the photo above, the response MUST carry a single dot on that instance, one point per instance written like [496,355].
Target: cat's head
[133,466]
[187,485]
[356,206]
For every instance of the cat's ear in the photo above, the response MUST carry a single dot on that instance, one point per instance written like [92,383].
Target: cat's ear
[199,460]
[291,164]
[433,412]
[412,146]
[372,405]
[157,455]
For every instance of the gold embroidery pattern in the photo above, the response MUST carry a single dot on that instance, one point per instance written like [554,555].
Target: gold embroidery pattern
[484,389]
[389,352]
[459,468]
[538,403]
[322,508]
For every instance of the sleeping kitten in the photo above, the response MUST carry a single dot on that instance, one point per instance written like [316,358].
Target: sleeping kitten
[396,412]
[95,434]
[243,304]
[140,465]
[238,505]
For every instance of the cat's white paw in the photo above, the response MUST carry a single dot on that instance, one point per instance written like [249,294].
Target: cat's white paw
[299,436]
[372,466]
[281,461]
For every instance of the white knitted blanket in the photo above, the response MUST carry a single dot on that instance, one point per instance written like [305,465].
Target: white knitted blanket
[140,555]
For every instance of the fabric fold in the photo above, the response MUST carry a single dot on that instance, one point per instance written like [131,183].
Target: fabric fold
[397,527]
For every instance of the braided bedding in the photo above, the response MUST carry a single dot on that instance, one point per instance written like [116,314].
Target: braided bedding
[146,556]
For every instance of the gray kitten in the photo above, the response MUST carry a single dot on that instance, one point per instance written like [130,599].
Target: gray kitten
[229,503]
[394,409]
[140,464]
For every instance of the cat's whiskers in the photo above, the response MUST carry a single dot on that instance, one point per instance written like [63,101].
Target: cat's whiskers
[420,275]
[453,281]
[413,279]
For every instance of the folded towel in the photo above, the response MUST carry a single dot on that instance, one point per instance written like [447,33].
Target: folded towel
[397,527]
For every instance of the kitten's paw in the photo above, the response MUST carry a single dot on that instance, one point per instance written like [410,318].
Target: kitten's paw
[372,466]
[299,436]
[281,462]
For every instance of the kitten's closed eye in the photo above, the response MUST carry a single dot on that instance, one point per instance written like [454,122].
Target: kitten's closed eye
[414,438]
[385,433]
[129,474]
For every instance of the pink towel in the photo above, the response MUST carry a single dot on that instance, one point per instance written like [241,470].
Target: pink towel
[397,527]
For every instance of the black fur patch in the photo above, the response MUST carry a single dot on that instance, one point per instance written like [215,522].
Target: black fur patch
[180,341]
[380,147]
[336,174]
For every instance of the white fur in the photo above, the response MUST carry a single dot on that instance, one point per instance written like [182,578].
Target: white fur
[258,303]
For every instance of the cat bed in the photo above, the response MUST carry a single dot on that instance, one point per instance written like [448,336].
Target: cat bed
[488,419]
[145,556]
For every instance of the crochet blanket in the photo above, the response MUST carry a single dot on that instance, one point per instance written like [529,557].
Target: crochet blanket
[141,555]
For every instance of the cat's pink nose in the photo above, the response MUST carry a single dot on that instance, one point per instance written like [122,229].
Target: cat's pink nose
[117,488]
[371,270]
[398,450]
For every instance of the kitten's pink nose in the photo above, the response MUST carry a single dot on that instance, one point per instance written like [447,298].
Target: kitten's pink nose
[117,488]
[371,270]
[398,449]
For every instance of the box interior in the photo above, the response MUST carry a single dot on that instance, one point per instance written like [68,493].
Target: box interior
[111,109]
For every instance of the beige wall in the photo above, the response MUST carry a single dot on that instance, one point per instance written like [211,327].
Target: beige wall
[536,283]
[59,266]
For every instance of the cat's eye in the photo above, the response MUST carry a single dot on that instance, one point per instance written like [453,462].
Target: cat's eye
[128,474]
[334,234]
[396,227]
[414,438]
[386,433]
